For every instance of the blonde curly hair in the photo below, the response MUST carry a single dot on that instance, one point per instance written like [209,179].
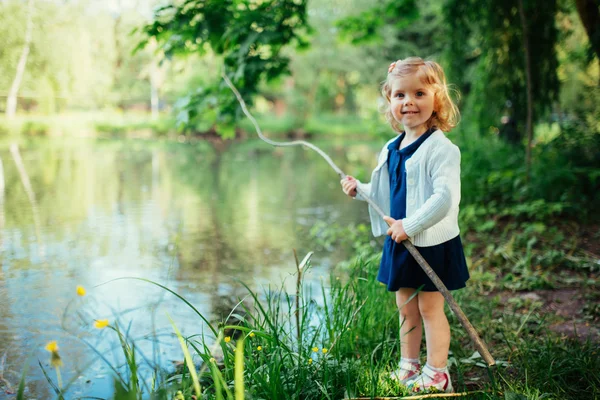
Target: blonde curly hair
[445,113]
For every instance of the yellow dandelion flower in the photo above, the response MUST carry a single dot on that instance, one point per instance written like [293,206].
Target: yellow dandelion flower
[251,334]
[52,347]
[324,350]
[55,360]
[315,349]
[259,348]
[80,290]
[227,339]
[310,361]
[100,323]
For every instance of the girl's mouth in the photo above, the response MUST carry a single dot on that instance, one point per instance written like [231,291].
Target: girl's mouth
[410,112]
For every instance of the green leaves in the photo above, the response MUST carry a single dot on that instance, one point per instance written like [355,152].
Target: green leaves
[249,38]
[365,27]
[486,56]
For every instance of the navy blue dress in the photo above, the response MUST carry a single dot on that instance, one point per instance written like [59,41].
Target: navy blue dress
[398,268]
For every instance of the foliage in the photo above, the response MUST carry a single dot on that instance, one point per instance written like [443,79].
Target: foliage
[34,128]
[578,73]
[331,77]
[249,36]
[356,236]
[52,72]
[401,29]
[481,46]
[123,128]
[130,72]
[77,124]
[92,67]
[365,26]
[564,176]
[490,48]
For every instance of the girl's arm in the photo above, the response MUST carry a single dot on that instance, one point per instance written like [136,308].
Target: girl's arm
[445,176]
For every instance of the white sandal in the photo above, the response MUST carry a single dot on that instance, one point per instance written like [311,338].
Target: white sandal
[430,379]
[406,371]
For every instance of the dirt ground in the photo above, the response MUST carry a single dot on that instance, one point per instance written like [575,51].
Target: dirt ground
[573,312]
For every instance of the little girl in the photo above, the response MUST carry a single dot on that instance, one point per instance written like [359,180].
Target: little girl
[417,183]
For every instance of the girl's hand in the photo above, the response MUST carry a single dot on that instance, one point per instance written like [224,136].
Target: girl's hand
[349,185]
[396,229]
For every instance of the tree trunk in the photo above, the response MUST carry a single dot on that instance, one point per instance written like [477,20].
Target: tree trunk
[589,13]
[11,101]
[529,128]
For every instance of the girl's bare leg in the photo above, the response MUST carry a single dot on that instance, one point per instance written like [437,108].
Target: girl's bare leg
[437,329]
[411,329]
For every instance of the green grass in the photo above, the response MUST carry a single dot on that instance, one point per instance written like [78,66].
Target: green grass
[348,344]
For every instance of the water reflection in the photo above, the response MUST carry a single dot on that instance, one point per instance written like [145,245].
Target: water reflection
[188,216]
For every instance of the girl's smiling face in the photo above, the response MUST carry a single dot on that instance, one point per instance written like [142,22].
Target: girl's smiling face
[412,103]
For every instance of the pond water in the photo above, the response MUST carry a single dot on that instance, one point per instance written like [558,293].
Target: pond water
[194,217]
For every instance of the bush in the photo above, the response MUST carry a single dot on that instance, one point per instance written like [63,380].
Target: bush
[565,173]
[35,128]
[567,169]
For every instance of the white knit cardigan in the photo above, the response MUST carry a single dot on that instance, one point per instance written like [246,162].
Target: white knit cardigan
[432,191]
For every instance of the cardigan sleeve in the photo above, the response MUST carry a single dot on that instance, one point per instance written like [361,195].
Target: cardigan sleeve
[445,178]
[365,187]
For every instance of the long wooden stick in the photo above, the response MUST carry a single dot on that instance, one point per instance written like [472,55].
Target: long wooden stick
[479,344]
[422,396]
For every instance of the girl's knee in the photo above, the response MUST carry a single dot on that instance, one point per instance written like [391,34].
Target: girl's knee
[430,311]
[410,313]
[431,305]
[409,310]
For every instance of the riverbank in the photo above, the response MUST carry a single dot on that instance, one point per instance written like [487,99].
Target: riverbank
[342,342]
[113,124]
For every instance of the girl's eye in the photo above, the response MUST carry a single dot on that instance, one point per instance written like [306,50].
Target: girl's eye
[420,93]
[400,95]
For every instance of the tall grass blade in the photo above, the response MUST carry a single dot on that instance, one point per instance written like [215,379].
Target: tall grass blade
[217,378]
[220,383]
[21,390]
[56,389]
[188,358]
[239,370]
